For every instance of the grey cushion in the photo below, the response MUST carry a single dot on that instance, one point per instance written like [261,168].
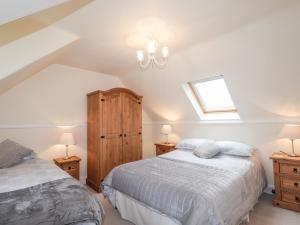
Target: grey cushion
[236,148]
[207,151]
[12,153]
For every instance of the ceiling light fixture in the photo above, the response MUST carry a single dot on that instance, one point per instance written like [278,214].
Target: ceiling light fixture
[151,58]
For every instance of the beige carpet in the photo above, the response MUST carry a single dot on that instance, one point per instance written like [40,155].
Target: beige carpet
[263,214]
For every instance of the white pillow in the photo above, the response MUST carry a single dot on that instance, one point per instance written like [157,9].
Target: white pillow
[207,150]
[235,148]
[192,143]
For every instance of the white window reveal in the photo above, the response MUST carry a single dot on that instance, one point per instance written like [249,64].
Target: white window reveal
[211,99]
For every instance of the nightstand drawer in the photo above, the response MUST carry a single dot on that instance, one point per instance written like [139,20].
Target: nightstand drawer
[162,148]
[289,169]
[70,166]
[291,197]
[74,173]
[290,184]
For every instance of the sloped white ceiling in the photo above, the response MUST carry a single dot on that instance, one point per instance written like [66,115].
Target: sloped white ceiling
[106,27]
[18,55]
[15,9]
[260,63]
[29,44]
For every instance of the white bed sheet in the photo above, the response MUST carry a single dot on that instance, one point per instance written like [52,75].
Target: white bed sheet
[29,173]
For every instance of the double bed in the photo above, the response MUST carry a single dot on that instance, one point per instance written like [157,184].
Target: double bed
[38,192]
[179,188]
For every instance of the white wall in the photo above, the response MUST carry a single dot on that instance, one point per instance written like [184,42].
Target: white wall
[32,112]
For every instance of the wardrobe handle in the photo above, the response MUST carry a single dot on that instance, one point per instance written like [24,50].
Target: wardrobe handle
[121,135]
[297,199]
[296,184]
[295,170]
[124,135]
[102,137]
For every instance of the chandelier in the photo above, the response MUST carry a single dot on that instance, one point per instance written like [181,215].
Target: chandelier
[150,59]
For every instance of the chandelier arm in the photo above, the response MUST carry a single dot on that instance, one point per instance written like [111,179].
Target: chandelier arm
[162,64]
[145,65]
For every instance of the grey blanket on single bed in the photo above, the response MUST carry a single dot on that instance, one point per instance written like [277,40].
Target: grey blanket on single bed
[191,193]
[59,202]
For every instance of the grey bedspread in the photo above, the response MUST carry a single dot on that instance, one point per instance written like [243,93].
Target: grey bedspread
[59,202]
[191,193]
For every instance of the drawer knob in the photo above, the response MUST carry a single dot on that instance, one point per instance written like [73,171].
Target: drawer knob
[297,199]
[295,170]
[296,184]
[70,167]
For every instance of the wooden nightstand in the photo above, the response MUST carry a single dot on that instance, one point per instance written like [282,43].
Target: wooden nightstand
[162,148]
[287,181]
[71,165]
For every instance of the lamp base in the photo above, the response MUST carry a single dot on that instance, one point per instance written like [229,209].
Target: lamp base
[291,154]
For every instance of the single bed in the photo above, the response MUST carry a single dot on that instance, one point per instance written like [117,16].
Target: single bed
[38,192]
[179,188]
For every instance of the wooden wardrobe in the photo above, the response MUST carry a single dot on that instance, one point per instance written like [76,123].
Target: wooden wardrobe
[114,132]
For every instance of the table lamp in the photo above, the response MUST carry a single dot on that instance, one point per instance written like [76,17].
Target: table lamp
[292,132]
[67,139]
[166,130]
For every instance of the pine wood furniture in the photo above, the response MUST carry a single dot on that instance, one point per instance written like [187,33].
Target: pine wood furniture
[114,132]
[70,165]
[287,181]
[162,148]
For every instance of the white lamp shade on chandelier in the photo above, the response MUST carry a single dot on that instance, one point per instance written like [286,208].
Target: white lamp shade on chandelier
[151,59]
[290,131]
[67,139]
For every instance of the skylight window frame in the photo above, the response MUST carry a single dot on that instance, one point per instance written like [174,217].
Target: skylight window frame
[201,104]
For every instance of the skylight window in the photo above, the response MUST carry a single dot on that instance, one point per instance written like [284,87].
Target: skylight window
[211,99]
[213,95]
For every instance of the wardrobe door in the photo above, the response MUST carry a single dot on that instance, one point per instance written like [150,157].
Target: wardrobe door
[111,132]
[111,153]
[132,127]
[93,143]
[131,148]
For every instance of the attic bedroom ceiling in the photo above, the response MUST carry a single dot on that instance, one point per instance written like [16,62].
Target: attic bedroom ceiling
[206,38]
[105,26]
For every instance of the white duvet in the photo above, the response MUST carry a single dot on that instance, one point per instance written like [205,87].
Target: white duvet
[244,181]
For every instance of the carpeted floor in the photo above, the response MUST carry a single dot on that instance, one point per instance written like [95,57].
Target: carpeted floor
[263,214]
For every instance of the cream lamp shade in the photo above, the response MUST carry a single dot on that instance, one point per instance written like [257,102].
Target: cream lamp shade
[290,131]
[166,129]
[67,139]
